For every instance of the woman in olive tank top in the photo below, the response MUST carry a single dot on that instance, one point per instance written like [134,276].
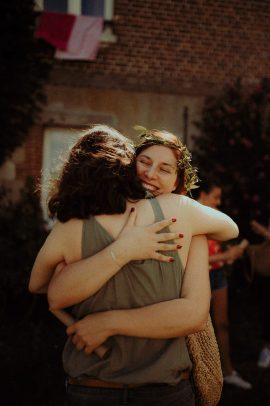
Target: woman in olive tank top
[93,199]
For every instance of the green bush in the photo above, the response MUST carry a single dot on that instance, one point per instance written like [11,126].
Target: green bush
[234,146]
[24,71]
[21,236]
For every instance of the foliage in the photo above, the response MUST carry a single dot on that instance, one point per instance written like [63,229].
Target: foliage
[234,146]
[21,236]
[23,71]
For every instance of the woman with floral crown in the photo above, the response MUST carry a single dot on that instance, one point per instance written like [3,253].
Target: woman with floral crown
[123,296]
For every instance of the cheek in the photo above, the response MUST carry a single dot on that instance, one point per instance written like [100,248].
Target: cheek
[175,183]
[169,185]
[139,168]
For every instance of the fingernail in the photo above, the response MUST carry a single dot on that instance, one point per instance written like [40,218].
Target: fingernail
[132,209]
[178,247]
[171,260]
[181,235]
[173,220]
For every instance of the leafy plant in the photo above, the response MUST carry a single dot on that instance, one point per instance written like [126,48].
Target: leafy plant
[21,236]
[23,71]
[234,146]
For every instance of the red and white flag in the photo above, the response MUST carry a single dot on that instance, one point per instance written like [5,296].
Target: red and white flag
[75,37]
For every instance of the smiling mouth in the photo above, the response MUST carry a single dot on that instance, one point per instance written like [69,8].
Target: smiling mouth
[150,188]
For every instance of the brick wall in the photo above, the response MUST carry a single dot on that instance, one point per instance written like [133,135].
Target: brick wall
[25,161]
[178,46]
[33,153]
[169,54]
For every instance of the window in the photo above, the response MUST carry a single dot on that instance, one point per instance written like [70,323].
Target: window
[94,8]
[103,8]
[56,144]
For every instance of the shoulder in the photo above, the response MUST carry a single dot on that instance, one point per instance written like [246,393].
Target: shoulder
[67,229]
[174,205]
[65,238]
[179,200]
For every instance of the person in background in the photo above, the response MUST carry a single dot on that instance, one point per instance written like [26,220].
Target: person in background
[264,282]
[209,194]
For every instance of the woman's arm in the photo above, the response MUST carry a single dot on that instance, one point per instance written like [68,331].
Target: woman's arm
[168,319]
[260,229]
[81,279]
[50,254]
[229,255]
[211,222]
[64,244]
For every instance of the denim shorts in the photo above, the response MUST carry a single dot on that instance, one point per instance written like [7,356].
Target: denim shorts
[157,395]
[218,279]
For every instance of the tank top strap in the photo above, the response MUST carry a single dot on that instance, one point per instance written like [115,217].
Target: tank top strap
[157,209]
[87,233]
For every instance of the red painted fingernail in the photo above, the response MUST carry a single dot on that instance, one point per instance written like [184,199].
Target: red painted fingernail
[181,235]
[171,259]
[132,209]
[173,220]
[178,247]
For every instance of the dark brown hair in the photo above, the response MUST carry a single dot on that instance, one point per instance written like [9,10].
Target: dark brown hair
[207,184]
[97,178]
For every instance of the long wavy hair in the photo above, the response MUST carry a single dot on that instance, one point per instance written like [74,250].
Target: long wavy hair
[98,177]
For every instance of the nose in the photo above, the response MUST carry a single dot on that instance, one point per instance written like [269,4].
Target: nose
[150,172]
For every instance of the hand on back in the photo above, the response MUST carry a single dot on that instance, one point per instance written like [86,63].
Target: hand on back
[145,242]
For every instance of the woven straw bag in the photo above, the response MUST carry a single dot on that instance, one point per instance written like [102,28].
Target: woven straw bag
[206,371]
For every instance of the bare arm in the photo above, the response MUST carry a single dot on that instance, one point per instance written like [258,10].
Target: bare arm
[260,229]
[81,279]
[50,254]
[228,256]
[211,222]
[168,319]
[64,244]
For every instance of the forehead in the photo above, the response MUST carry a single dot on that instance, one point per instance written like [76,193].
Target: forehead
[160,153]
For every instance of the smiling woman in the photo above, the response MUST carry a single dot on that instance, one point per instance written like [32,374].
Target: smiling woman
[164,163]
[157,169]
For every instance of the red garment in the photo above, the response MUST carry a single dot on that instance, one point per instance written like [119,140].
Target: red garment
[74,37]
[214,248]
[55,28]
[84,39]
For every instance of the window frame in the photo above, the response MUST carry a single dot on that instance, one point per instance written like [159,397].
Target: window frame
[75,7]
[51,137]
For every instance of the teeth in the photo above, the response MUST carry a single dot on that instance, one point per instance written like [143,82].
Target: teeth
[149,187]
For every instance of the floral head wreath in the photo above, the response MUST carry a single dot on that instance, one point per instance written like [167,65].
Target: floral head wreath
[148,138]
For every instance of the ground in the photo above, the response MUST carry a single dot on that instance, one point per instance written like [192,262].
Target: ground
[31,344]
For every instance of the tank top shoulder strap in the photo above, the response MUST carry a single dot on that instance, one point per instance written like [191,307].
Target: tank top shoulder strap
[157,209]
[94,237]
[87,233]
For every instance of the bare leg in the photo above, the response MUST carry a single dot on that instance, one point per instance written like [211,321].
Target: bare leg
[221,324]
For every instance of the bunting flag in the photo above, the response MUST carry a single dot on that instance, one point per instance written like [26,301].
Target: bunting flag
[74,37]
[55,28]
[84,39]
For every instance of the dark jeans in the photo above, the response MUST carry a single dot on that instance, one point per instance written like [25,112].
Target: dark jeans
[162,395]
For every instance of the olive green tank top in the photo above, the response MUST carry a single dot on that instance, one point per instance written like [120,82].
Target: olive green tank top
[139,283]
